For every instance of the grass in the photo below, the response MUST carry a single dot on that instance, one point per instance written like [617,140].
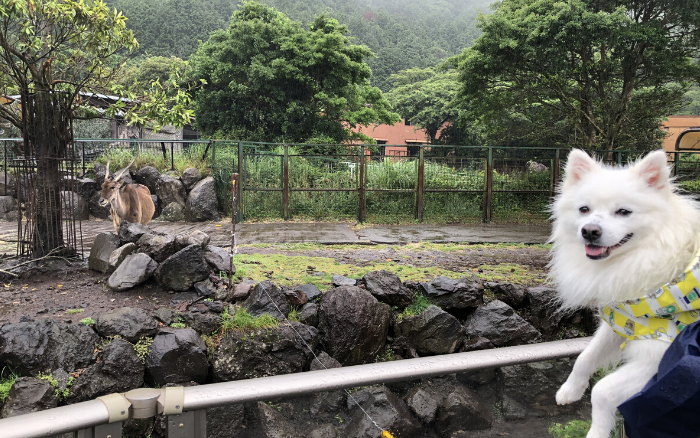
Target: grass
[60,394]
[7,379]
[293,315]
[241,320]
[414,246]
[87,321]
[191,157]
[420,303]
[143,348]
[572,429]
[74,311]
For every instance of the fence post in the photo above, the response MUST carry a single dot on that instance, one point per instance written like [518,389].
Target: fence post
[172,156]
[241,181]
[213,154]
[489,186]
[619,158]
[84,171]
[285,183]
[5,166]
[676,162]
[421,182]
[555,171]
[361,187]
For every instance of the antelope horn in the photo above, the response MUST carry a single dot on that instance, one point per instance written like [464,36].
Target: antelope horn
[121,172]
[107,172]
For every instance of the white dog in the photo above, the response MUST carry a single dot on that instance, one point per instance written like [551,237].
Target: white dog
[619,234]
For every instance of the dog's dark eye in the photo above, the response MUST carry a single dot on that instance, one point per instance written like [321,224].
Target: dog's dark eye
[623,212]
[584,209]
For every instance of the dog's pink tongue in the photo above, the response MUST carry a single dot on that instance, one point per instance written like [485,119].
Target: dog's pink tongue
[594,250]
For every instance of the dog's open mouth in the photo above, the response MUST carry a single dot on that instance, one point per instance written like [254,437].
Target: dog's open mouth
[596,252]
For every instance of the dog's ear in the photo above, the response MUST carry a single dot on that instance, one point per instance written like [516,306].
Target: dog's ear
[653,169]
[579,164]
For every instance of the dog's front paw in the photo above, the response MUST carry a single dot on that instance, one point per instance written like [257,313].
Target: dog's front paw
[570,392]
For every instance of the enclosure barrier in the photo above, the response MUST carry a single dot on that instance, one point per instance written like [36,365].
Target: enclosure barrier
[185,407]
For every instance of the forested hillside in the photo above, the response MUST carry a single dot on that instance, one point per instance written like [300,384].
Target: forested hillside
[402,35]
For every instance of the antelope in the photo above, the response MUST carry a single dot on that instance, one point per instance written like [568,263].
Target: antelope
[130,202]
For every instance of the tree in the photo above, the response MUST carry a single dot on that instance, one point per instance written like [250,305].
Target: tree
[605,71]
[50,52]
[426,97]
[269,79]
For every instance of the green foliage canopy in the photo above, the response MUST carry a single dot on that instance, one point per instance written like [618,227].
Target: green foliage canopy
[269,79]
[603,73]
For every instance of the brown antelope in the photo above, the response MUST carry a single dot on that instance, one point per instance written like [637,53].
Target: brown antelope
[130,202]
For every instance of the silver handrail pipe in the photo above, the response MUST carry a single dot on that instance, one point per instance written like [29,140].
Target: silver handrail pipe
[95,412]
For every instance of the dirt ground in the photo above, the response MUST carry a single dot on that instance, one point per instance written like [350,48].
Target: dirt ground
[70,292]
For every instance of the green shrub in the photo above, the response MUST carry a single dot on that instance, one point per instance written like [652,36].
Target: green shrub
[87,321]
[420,303]
[7,379]
[572,429]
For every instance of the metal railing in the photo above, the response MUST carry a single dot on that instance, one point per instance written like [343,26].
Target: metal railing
[185,406]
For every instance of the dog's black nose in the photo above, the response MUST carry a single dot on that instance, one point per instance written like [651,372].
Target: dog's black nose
[591,231]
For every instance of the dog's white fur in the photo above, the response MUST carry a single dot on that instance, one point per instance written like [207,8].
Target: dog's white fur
[665,228]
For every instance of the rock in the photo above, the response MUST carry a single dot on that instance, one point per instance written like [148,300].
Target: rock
[177,356]
[119,254]
[272,424]
[295,296]
[225,421]
[85,187]
[353,325]
[170,190]
[100,170]
[129,323]
[117,369]
[387,288]
[265,352]
[74,207]
[96,209]
[202,323]
[544,310]
[475,343]
[323,361]
[309,314]
[202,204]
[242,290]
[386,409]
[183,269]
[311,291]
[12,216]
[29,395]
[173,212]
[164,315]
[499,323]
[511,294]
[190,177]
[451,294]
[131,233]
[339,280]
[205,288]
[134,270]
[102,248]
[261,301]
[33,347]
[423,404]
[432,332]
[218,258]
[157,205]
[324,431]
[8,188]
[529,390]
[461,409]
[158,246]
[148,176]
[195,237]
[8,204]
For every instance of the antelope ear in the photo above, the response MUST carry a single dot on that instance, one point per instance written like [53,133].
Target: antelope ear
[578,165]
[653,169]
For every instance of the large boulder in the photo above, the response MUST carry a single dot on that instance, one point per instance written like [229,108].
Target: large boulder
[190,177]
[462,410]
[120,254]
[100,171]
[131,233]
[509,293]
[312,292]
[218,258]
[33,347]
[134,270]
[170,190]
[266,298]
[423,404]
[129,323]
[96,209]
[309,314]
[432,332]
[158,246]
[85,187]
[177,356]
[29,395]
[117,369]
[102,248]
[173,212]
[341,280]
[74,207]
[9,187]
[386,409]
[265,352]
[544,309]
[183,269]
[195,237]
[202,204]
[387,288]
[499,323]
[148,176]
[353,325]
[8,205]
[451,294]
